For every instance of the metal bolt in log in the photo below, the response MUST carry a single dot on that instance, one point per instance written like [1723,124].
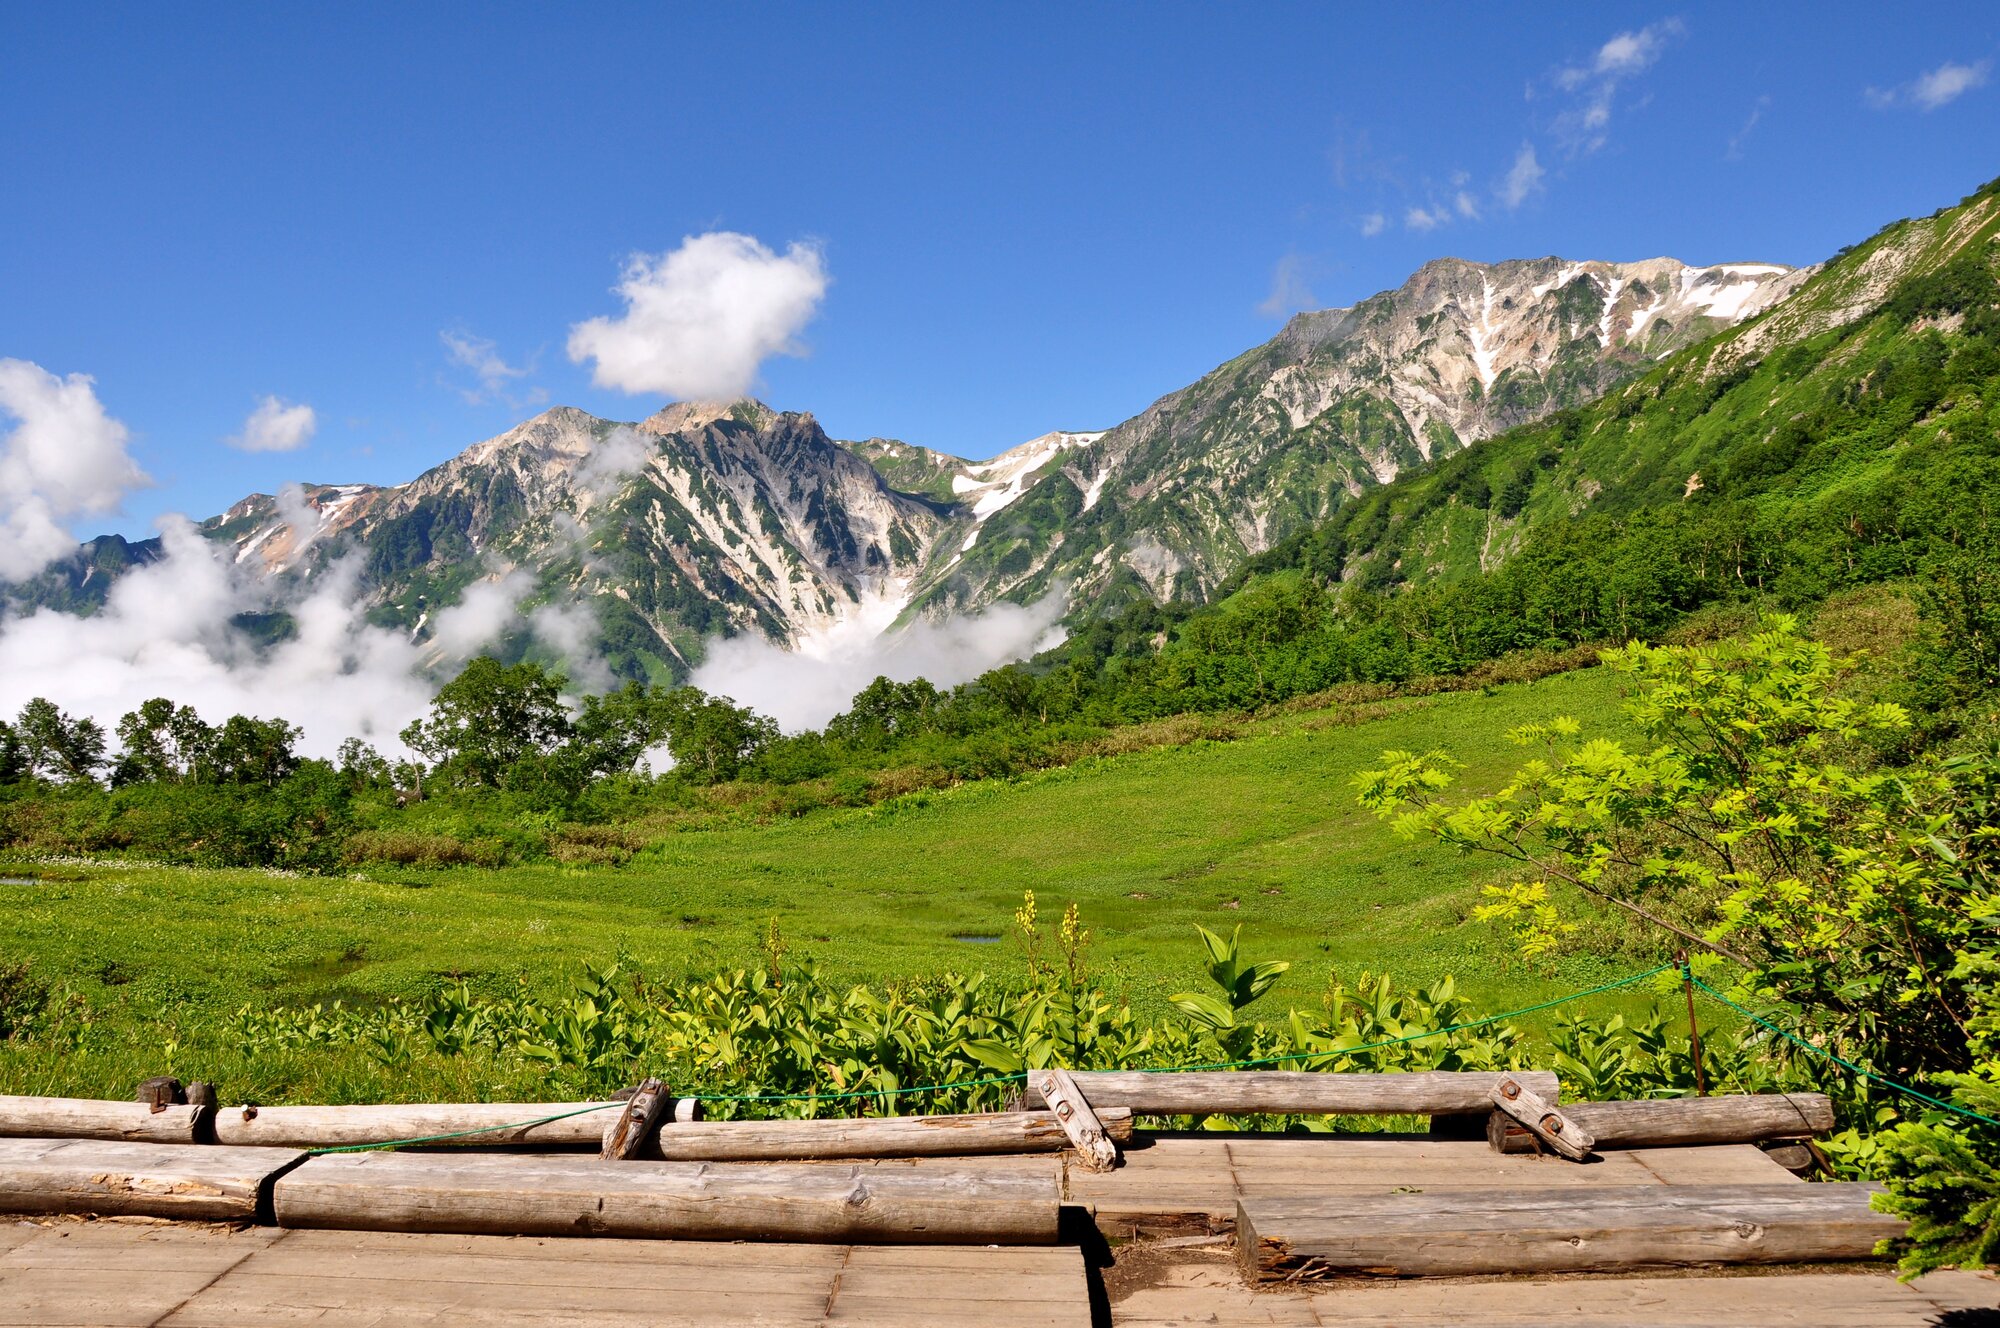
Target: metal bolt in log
[1072,1109]
[642,1112]
[160,1092]
[1543,1120]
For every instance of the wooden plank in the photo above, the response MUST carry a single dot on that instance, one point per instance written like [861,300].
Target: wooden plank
[74,1274]
[875,1136]
[1550,1127]
[1197,1178]
[581,1124]
[321,1277]
[1297,1092]
[1557,1230]
[1182,1294]
[91,1118]
[555,1195]
[1667,1122]
[151,1180]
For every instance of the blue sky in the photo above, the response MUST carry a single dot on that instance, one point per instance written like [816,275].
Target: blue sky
[1026,218]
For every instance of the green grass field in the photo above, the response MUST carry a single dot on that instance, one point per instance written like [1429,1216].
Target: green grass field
[1263,831]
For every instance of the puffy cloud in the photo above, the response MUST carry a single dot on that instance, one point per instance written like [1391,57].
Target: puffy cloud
[700,321]
[1426,219]
[1289,291]
[166,630]
[1467,208]
[1524,178]
[276,426]
[1374,224]
[64,458]
[1593,86]
[482,359]
[806,687]
[1928,91]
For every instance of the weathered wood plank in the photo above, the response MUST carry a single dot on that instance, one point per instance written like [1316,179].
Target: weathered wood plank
[91,1118]
[875,1136]
[1184,1294]
[1557,1230]
[553,1195]
[1667,1122]
[1197,1178]
[1094,1149]
[1298,1092]
[1541,1118]
[149,1180]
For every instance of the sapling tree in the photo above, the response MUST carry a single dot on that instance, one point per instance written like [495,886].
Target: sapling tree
[1861,902]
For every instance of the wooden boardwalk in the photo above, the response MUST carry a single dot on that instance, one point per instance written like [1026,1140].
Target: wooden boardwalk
[1169,1181]
[74,1274]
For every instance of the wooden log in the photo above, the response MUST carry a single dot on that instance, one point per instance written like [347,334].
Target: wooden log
[1605,1229]
[544,1195]
[1297,1092]
[146,1180]
[1669,1122]
[581,1124]
[1553,1129]
[874,1136]
[91,1118]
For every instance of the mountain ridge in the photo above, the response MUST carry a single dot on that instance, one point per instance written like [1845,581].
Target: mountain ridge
[718,518]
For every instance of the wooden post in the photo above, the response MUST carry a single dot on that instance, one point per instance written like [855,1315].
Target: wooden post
[1694,1030]
[642,1112]
[1072,1109]
[1549,1125]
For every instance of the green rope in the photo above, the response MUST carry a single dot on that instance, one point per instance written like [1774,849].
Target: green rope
[1847,1065]
[463,1134]
[1019,1075]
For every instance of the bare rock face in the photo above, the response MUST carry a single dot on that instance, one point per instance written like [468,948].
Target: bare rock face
[715,518]
[1169,502]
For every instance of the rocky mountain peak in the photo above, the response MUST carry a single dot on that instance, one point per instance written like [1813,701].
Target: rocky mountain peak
[689,416]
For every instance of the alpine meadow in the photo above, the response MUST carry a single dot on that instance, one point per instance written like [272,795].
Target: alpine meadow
[1554,663]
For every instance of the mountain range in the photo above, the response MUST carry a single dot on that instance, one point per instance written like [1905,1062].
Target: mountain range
[711,519]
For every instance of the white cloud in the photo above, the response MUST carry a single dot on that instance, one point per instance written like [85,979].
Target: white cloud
[165,630]
[806,687]
[64,458]
[1734,152]
[482,359]
[1374,224]
[276,426]
[699,321]
[1585,125]
[1467,208]
[1423,219]
[1524,178]
[486,610]
[1928,91]
[1289,291]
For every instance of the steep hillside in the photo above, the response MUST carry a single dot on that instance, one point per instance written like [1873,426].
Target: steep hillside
[1850,435]
[1167,504]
